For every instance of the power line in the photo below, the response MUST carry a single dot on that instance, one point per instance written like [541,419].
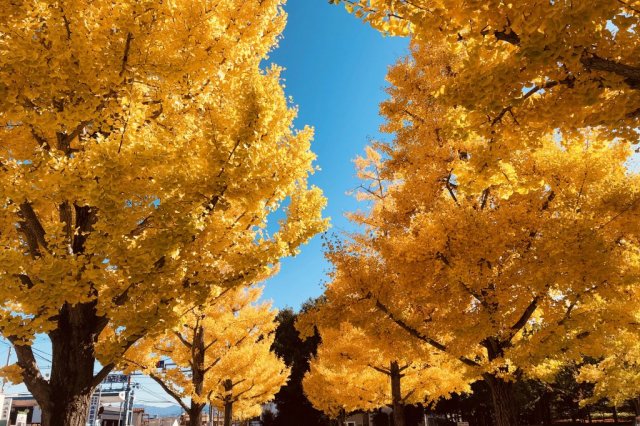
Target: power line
[153,393]
[41,351]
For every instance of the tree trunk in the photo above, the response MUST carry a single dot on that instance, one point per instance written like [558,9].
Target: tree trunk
[342,418]
[228,413]
[65,397]
[73,358]
[228,403]
[64,412]
[396,394]
[197,375]
[615,415]
[635,402]
[503,401]
[195,414]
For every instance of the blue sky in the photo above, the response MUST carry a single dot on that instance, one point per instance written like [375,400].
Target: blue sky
[335,72]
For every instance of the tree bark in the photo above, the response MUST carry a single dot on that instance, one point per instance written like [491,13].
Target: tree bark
[228,403]
[197,375]
[396,394]
[503,401]
[61,411]
[195,414]
[73,358]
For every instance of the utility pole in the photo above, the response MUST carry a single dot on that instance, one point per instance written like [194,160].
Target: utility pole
[127,396]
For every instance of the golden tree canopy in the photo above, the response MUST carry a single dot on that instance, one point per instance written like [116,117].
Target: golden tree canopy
[498,252]
[219,353]
[142,149]
[529,65]
[351,371]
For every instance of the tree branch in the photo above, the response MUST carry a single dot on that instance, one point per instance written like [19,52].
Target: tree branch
[415,333]
[524,318]
[384,371]
[630,73]
[125,56]
[170,391]
[32,229]
[31,375]
[183,339]
[507,35]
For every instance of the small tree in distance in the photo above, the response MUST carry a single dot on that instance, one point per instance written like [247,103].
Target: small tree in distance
[219,354]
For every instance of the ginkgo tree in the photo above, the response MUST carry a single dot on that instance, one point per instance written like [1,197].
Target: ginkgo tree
[142,148]
[498,254]
[218,353]
[359,370]
[528,66]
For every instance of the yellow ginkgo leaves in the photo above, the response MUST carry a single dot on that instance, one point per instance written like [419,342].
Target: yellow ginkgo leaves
[142,148]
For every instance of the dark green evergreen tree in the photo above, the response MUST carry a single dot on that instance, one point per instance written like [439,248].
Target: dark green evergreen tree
[294,409]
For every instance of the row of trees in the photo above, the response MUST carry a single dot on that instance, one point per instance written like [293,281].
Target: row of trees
[500,238]
[142,151]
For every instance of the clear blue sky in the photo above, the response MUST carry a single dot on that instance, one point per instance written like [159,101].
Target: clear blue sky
[335,72]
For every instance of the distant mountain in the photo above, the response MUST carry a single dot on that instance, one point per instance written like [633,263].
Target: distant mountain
[170,411]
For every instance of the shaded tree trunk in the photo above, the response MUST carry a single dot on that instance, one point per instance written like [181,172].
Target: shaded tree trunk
[197,375]
[502,392]
[228,403]
[342,418]
[396,394]
[502,396]
[195,414]
[66,410]
[67,399]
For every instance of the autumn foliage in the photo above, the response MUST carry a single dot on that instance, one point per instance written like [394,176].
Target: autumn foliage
[501,222]
[142,149]
[219,354]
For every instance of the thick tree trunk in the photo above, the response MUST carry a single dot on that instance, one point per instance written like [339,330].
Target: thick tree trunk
[64,412]
[73,358]
[503,401]
[396,394]
[65,397]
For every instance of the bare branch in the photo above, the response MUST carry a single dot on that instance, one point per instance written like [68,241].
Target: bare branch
[125,56]
[524,318]
[183,339]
